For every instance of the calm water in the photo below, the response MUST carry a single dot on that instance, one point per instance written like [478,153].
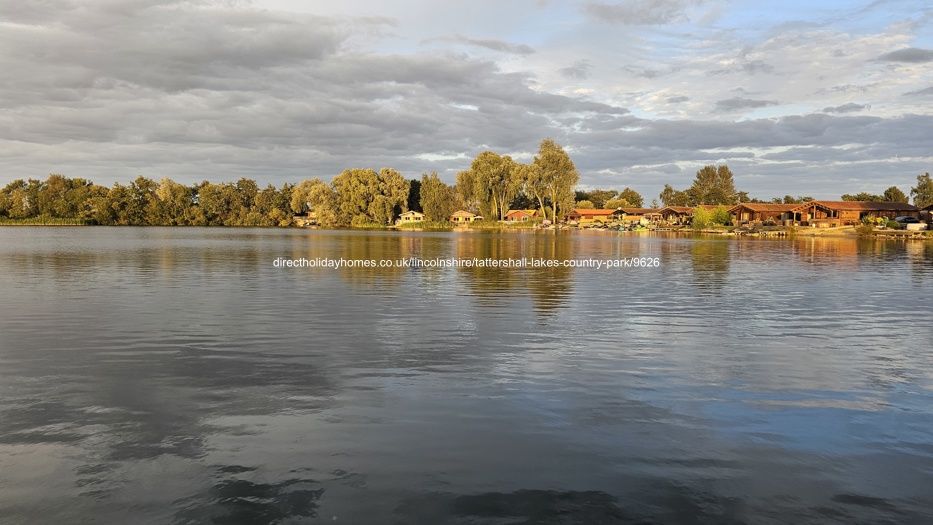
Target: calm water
[176,376]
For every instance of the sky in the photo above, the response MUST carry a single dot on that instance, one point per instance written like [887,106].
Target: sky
[800,98]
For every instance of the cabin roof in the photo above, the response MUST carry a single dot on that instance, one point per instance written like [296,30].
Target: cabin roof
[676,209]
[765,208]
[531,213]
[593,211]
[640,211]
[859,205]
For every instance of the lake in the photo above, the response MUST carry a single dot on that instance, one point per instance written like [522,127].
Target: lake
[182,376]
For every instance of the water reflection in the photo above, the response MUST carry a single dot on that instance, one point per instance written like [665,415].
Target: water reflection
[234,499]
[711,260]
[195,382]
[524,507]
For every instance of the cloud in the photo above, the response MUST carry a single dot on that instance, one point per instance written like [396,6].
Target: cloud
[920,92]
[196,90]
[580,70]
[751,68]
[494,45]
[737,104]
[639,12]
[911,55]
[644,72]
[851,107]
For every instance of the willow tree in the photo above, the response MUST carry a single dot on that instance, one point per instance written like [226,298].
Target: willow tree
[495,183]
[533,183]
[438,200]
[316,196]
[558,175]
[391,198]
[355,190]
[465,189]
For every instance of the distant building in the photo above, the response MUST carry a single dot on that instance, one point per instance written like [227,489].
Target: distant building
[675,214]
[411,216]
[755,212]
[639,215]
[464,217]
[520,215]
[844,213]
[587,214]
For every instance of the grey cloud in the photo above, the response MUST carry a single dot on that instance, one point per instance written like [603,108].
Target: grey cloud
[920,92]
[494,45]
[912,55]
[200,92]
[678,100]
[642,72]
[851,107]
[735,104]
[580,70]
[751,68]
[203,92]
[848,88]
[639,12]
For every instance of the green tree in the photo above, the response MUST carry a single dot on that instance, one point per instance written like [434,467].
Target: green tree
[713,185]
[496,183]
[894,194]
[414,195]
[465,188]
[217,202]
[437,198]
[585,205]
[720,215]
[53,198]
[614,204]
[671,197]
[173,204]
[533,185]
[559,177]
[356,190]
[702,219]
[633,197]
[392,199]
[863,196]
[599,197]
[923,191]
[23,198]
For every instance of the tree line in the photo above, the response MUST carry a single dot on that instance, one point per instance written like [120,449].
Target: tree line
[715,185]
[492,186]
[360,197]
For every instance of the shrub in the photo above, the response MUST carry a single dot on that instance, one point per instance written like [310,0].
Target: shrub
[721,215]
[864,230]
[701,219]
[893,225]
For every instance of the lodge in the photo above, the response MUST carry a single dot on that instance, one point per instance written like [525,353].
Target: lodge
[823,214]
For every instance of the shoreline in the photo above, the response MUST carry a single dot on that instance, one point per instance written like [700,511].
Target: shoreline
[843,232]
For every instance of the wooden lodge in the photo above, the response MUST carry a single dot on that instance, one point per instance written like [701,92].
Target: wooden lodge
[753,212]
[463,217]
[675,214]
[520,215]
[593,214]
[411,216]
[640,215]
[846,213]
